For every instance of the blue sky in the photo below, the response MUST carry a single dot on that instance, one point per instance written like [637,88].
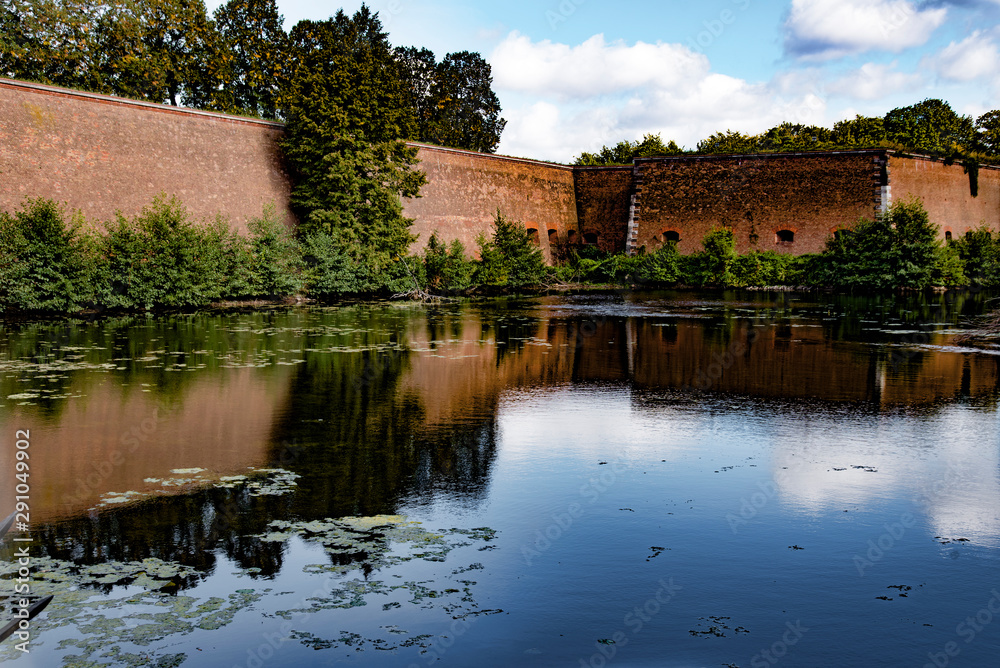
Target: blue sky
[573,75]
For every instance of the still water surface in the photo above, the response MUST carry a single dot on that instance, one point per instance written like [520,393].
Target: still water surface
[660,479]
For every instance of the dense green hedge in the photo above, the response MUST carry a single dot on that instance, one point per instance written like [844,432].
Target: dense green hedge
[898,250]
[160,258]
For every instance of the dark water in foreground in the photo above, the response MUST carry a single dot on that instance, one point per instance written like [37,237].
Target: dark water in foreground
[666,479]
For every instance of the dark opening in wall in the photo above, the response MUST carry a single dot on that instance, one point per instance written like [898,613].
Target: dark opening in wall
[784,236]
[571,236]
[533,235]
[947,235]
[670,235]
[590,238]
[553,236]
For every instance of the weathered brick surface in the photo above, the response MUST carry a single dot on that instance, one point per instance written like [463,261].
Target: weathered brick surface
[945,192]
[102,154]
[603,198]
[808,194]
[464,190]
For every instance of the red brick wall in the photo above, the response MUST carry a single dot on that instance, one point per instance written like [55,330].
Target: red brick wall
[809,194]
[465,188]
[603,198]
[102,154]
[944,190]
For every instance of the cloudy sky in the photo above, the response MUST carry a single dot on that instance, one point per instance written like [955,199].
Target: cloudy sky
[573,75]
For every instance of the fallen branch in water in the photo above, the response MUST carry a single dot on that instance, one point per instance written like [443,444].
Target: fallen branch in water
[986,331]
[422,296]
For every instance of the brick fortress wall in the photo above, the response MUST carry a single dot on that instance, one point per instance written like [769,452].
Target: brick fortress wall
[603,199]
[944,190]
[102,154]
[464,190]
[807,194]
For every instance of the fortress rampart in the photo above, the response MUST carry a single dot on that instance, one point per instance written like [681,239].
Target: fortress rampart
[102,155]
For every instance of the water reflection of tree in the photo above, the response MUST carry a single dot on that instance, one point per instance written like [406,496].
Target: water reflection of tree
[364,444]
[188,529]
[53,355]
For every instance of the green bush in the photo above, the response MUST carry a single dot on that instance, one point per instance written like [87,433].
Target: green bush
[510,258]
[714,265]
[662,266]
[44,262]
[268,261]
[160,258]
[331,272]
[763,268]
[899,249]
[446,267]
[979,250]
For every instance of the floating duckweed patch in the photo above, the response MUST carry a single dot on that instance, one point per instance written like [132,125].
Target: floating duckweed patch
[111,630]
[351,540]
[380,542]
[259,482]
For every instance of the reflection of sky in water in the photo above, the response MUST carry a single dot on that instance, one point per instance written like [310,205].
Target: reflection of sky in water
[602,473]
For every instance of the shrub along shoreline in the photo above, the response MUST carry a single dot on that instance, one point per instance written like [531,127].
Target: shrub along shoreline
[54,263]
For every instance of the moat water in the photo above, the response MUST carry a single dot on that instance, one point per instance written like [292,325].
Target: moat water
[654,479]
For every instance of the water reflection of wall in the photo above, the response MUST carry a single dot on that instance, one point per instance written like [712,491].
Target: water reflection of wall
[370,425]
[113,438]
[459,376]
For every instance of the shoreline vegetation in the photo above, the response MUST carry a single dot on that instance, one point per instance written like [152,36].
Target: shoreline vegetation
[350,166]
[58,263]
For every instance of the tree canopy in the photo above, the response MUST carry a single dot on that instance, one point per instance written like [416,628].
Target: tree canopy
[931,127]
[453,101]
[624,152]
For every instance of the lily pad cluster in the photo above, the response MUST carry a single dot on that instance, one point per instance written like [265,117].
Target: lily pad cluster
[117,630]
[257,482]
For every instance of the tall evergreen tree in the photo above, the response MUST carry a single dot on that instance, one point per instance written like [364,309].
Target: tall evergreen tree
[418,69]
[346,119]
[453,101]
[466,111]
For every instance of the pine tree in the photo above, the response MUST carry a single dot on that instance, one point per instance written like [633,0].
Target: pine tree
[346,117]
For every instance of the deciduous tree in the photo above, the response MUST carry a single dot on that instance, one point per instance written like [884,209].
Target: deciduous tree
[255,49]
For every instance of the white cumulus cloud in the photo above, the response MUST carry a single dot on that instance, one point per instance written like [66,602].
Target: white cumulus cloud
[560,100]
[872,81]
[974,57]
[594,67]
[827,29]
